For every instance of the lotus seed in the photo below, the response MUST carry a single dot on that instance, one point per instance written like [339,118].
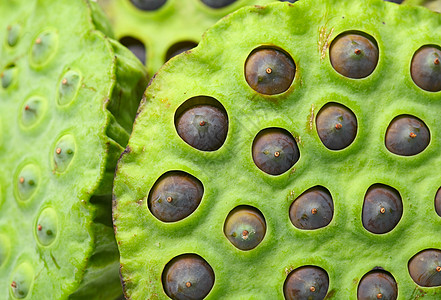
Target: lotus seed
[313,209]
[182,192]
[354,55]
[377,284]
[407,135]
[269,71]
[47,224]
[275,151]
[13,34]
[28,177]
[425,69]
[308,282]
[336,126]
[187,276]
[217,3]
[136,46]
[424,268]
[33,111]
[7,76]
[245,227]
[64,153]
[179,48]
[148,5]
[68,88]
[44,48]
[382,209]
[22,280]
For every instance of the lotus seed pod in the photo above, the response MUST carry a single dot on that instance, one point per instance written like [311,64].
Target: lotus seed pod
[68,97]
[377,284]
[376,208]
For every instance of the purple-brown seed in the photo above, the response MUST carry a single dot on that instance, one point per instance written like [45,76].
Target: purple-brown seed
[377,284]
[425,268]
[308,282]
[425,68]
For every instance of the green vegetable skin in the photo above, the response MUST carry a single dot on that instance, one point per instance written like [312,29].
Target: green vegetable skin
[68,96]
[344,248]
[176,21]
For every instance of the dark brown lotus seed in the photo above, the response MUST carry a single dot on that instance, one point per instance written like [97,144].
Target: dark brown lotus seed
[204,126]
[353,55]
[308,282]
[217,3]
[269,71]
[438,202]
[313,209]
[425,268]
[175,196]
[377,284]
[336,126]
[382,209]
[186,277]
[245,227]
[178,48]
[136,46]
[407,136]
[426,69]
[148,4]
[275,151]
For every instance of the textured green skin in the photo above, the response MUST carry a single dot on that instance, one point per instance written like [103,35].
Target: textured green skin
[82,260]
[176,21]
[434,5]
[343,248]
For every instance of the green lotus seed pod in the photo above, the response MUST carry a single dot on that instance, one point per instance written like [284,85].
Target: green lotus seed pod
[68,97]
[359,206]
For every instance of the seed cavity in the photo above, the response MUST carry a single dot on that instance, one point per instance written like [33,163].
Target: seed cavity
[27,181]
[377,284]
[217,3]
[179,48]
[185,192]
[68,87]
[275,151]
[33,111]
[8,75]
[22,281]
[187,276]
[407,135]
[44,48]
[307,282]
[269,71]
[313,209]
[47,226]
[63,153]
[425,267]
[202,122]
[245,227]
[148,5]
[382,209]
[438,202]
[336,126]
[354,54]
[13,34]
[136,47]
[425,69]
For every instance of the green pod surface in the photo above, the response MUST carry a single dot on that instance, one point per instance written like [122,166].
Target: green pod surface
[343,248]
[67,103]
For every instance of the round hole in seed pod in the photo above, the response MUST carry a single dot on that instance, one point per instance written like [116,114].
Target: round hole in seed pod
[135,46]
[275,151]
[377,284]
[354,54]
[202,122]
[438,202]
[178,48]
[7,75]
[307,282]
[148,5]
[174,196]
[245,227]
[187,276]
[382,209]
[313,209]
[425,68]
[44,47]
[13,34]
[63,153]
[407,135]
[22,281]
[46,226]
[27,181]
[425,268]
[32,111]
[269,71]
[217,3]
[336,126]
[68,87]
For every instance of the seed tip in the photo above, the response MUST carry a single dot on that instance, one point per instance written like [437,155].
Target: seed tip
[269,70]
[312,289]
[188,284]
[338,126]
[38,41]
[412,135]
[58,150]
[169,199]
[276,154]
[357,51]
[39,227]
[202,123]
[379,295]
